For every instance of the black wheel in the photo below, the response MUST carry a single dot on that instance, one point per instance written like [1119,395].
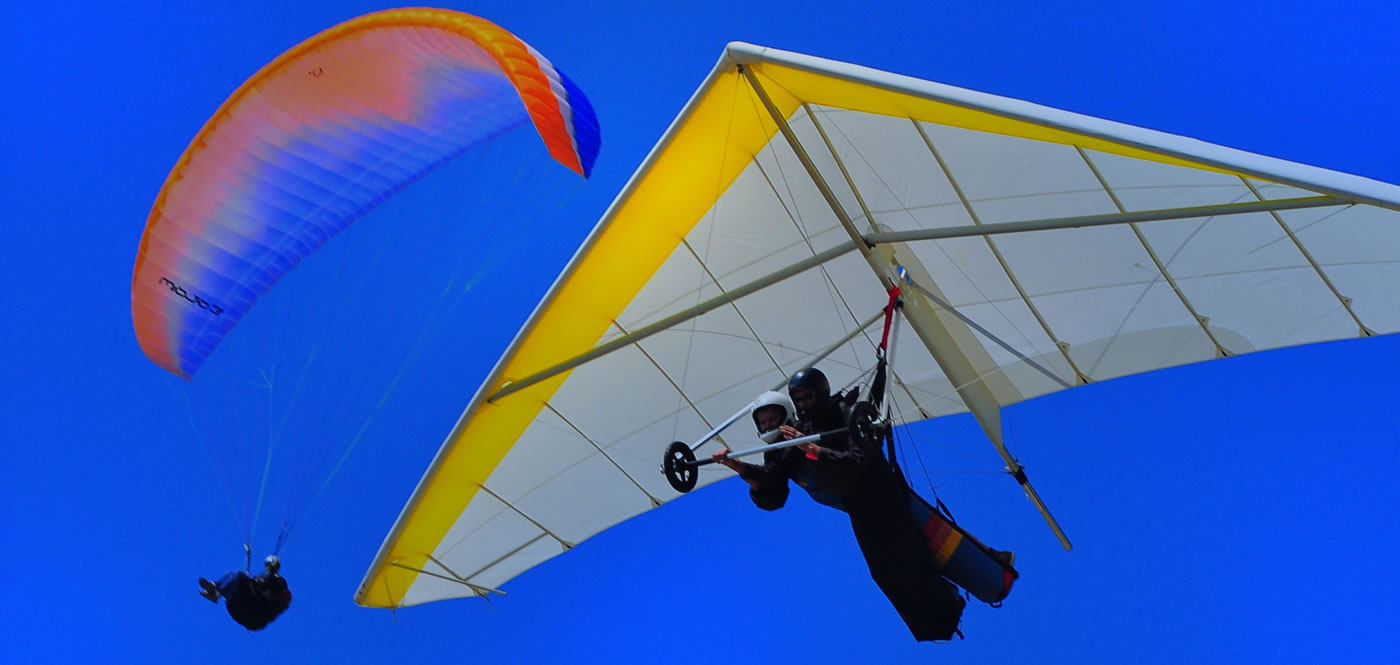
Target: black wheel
[679,467]
[864,425]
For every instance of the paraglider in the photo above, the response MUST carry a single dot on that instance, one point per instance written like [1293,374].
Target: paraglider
[265,196]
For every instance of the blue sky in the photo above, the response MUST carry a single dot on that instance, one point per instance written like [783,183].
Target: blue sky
[1235,511]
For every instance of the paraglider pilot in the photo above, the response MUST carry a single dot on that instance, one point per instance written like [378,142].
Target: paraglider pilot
[252,601]
[858,480]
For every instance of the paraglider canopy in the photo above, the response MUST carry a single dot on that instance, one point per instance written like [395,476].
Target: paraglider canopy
[316,139]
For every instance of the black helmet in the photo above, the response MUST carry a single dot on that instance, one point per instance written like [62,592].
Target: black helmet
[812,379]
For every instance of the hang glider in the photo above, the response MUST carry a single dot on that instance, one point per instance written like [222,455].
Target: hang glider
[1037,250]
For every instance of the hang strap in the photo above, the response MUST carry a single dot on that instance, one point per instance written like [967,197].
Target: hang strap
[889,317]
[877,386]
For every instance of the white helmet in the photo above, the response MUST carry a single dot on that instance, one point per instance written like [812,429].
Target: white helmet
[780,400]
